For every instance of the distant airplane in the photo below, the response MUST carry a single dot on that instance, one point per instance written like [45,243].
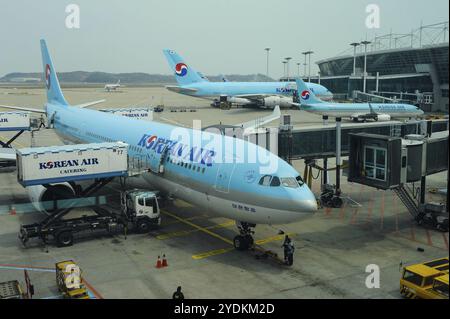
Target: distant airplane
[211,171]
[112,87]
[308,101]
[251,94]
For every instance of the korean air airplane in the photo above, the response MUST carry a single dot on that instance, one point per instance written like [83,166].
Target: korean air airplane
[226,176]
[255,94]
[355,111]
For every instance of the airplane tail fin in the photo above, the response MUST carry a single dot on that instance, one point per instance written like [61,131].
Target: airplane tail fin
[184,74]
[305,95]
[54,93]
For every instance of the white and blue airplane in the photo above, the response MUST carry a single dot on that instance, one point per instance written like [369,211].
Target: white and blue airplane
[308,101]
[202,168]
[251,94]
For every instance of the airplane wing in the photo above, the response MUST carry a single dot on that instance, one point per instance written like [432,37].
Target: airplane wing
[254,124]
[179,89]
[89,103]
[29,109]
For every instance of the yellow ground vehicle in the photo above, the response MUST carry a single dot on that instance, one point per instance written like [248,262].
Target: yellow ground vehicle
[439,289]
[69,280]
[418,280]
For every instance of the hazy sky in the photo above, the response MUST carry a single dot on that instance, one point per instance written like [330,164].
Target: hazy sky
[227,36]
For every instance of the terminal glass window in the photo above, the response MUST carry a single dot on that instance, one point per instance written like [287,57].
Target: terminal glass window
[375,160]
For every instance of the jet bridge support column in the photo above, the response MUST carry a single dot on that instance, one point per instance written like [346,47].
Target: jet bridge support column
[338,156]
[325,119]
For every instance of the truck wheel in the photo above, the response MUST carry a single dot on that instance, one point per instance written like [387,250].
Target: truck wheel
[64,238]
[143,226]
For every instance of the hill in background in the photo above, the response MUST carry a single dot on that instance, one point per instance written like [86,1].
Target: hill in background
[125,78]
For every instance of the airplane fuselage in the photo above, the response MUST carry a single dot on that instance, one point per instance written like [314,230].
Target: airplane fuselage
[194,170]
[353,109]
[213,90]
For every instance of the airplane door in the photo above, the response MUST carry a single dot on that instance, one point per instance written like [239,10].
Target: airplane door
[156,160]
[223,178]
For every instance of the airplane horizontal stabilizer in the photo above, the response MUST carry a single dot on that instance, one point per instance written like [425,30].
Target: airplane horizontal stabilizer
[20,108]
[87,104]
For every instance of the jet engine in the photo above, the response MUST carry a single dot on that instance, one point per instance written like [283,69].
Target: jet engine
[43,198]
[272,101]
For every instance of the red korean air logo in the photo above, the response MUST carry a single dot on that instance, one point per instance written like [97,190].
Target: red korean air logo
[47,76]
[305,95]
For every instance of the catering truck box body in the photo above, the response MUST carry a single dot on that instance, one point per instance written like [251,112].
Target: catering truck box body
[45,165]
[14,121]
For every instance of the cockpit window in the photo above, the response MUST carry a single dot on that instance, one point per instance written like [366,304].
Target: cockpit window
[275,181]
[300,181]
[265,180]
[289,182]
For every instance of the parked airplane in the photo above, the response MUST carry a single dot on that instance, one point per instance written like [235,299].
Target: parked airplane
[209,170]
[308,101]
[112,87]
[251,94]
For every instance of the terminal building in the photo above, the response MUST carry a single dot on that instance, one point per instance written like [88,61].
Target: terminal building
[411,68]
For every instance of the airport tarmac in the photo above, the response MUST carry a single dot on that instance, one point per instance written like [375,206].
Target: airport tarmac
[333,248]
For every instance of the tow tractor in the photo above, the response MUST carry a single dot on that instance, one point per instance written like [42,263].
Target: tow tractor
[138,207]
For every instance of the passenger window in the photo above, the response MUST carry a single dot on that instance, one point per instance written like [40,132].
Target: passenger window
[275,181]
[149,201]
[300,181]
[265,180]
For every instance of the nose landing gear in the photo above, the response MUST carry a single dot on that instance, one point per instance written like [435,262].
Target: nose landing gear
[244,241]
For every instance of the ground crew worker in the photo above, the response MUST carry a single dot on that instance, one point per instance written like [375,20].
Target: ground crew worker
[290,253]
[178,294]
[286,245]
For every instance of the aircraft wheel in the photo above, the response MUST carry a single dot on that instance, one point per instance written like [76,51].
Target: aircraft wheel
[240,242]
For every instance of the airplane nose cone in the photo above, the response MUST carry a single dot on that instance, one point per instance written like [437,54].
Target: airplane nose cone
[309,206]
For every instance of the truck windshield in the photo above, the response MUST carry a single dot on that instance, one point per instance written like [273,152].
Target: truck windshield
[413,278]
[441,288]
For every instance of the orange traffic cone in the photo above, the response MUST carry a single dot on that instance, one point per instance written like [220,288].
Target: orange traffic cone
[158,263]
[164,261]
[13,211]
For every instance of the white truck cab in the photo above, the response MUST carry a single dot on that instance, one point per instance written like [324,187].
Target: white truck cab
[141,208]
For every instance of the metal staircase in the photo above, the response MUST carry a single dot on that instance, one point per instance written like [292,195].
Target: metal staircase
[408,201]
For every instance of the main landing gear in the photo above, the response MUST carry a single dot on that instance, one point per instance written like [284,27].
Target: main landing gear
[244,241]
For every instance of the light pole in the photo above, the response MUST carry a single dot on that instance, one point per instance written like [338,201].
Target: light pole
[365,43]
[298,69]
[267,62]
[309,66]
[284,68]
[305,54]
[354,45]
[287,66]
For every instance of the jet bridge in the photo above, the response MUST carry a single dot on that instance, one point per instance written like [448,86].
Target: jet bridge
[394,163]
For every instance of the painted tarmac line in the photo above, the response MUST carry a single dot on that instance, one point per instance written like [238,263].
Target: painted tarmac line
[226,250]
[13,143]
[203,229]
[188,232]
